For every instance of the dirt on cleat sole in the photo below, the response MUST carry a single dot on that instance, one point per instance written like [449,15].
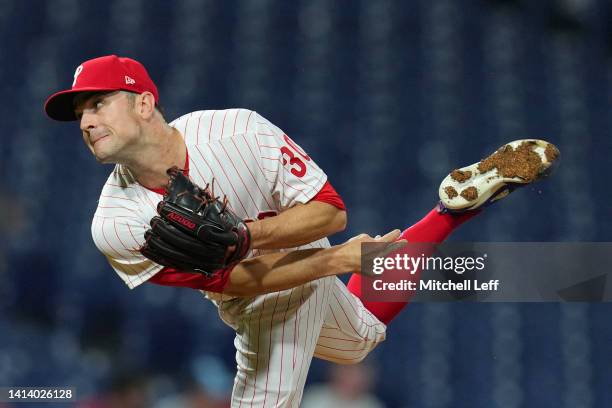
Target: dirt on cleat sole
[522,162]
[493,178]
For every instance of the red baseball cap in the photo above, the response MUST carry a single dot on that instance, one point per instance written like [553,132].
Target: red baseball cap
[108,73]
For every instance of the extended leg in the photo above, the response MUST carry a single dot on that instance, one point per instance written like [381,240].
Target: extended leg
[434,228]
[463,194]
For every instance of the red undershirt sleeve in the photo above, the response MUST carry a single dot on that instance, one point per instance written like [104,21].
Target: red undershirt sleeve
[172,277]
[328,195]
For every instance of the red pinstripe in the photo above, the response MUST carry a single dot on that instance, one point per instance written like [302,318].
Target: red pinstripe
[305,342]
[197,169]
[344,350]
[209,167]
[325,302]
[132,234]
[129,268]
[317,302]
[246,166]
[274,136]
[246,376]
[197,134]
[119,186]
[229,181]
[263,306]
[296,189]
[147,199]
[318,176]
[270,349]
[355,311]
[235,121]
[113,217]
[223,125]
[346,315]
[305,349]
[186,124]
[247,122]
[280,382]
[246,187]
[310,186]
[212,119]
[334,316]
[337,338]
[118,198]
[296,328]
[121,208]
[119,239]
[255,157]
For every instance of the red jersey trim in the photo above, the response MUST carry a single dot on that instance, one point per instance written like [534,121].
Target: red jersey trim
[172,277]
[328,195]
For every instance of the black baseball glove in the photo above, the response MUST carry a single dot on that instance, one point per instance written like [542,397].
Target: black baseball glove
[195,231]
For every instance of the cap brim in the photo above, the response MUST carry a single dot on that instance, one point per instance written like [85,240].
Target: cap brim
[60,105]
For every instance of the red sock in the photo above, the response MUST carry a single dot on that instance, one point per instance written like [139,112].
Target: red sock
[435,228]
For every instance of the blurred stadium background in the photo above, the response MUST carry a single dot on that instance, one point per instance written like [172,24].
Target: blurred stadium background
[387,96]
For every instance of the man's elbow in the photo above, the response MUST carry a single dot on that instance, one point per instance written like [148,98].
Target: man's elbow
[235,291]
[339,222]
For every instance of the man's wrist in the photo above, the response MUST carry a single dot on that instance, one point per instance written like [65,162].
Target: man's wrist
[342,259]
[253,227]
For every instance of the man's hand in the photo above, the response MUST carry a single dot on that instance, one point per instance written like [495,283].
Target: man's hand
[352,253]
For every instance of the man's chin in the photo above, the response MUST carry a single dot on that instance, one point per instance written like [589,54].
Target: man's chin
[103,150]
[103,158]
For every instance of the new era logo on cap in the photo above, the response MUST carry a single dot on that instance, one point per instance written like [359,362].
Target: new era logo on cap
[108,73]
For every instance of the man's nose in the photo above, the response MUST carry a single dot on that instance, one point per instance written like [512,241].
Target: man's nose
[88,121]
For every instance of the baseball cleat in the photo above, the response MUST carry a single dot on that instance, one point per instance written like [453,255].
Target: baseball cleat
[513,165]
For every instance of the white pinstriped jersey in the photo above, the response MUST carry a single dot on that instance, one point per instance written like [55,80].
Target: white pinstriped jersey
[261,171]
[253,163]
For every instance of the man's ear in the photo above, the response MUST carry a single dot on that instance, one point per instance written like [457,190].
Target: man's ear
[145,105]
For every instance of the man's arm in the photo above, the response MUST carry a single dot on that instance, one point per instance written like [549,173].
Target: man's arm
[299,225]
[312,209]
[280,271]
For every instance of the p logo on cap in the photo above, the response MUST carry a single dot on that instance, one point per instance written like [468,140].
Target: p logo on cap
[76,74]
[108,73]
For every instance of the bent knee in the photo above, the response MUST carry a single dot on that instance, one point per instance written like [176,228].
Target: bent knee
[346,356]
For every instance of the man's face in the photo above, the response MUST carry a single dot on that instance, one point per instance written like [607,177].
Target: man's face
[109,124]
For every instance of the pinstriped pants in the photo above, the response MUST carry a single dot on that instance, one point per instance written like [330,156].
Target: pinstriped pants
[278,334]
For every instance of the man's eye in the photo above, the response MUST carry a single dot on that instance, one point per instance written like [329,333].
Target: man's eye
[99,104]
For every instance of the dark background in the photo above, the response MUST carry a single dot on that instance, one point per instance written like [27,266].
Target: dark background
[387,97]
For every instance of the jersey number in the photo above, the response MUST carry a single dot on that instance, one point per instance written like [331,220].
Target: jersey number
[298,167]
